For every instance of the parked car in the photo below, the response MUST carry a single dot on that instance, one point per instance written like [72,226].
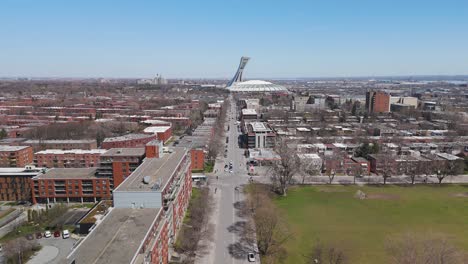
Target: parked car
[47,234]
[38,235]
[57,233]
[65,234]
[251,257]
[30,237]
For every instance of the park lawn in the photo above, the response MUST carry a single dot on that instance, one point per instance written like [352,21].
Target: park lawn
[360,227]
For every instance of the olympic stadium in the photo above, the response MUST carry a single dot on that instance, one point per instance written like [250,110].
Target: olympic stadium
[253,86]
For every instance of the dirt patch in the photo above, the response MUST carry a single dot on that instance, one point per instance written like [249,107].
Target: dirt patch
[382,196]
[465,194]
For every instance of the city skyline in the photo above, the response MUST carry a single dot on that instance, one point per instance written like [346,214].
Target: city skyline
[205,39]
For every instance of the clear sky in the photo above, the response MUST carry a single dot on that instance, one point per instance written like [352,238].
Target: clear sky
[198,38]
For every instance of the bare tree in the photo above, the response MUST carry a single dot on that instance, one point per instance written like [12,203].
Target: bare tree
[19,250]
[329,254]
[387,167]
[430,248]
[272,231]
[307,168]
[198,227]
[331,176]
[412,169]
[284,169]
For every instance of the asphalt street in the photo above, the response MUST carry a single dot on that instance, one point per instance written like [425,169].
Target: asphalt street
[228,245]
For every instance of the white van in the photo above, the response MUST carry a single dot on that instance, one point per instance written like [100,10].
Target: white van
[65,234]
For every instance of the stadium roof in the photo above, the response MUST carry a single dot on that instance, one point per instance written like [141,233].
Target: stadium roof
[256,86]
[237,84]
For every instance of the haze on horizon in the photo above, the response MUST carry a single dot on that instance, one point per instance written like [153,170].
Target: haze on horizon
[205,39]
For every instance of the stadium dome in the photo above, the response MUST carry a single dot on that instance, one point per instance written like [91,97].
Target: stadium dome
[237,84]
[256,86]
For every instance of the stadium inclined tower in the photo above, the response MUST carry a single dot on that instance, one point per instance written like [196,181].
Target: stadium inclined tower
[254,86]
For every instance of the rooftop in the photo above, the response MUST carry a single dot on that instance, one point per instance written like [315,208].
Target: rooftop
[66,173]
[117,238]
[249,112]
[59,141]
[448,156]
[114,152]
[156,122]
[12,148]
[308,156]
[127,137]
[31,171]
[259,127]
[158,169]
[71,151]
[156,129]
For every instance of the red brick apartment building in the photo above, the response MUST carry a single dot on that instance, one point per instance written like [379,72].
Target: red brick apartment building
[118,163]
[163,133]
[65,144]
[377,102]
[16,156]
[198,159]
[74,158]
[149,207]
[128,141]
[69,185]
[15,183]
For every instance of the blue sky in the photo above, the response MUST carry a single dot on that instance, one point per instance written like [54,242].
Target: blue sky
[204,39]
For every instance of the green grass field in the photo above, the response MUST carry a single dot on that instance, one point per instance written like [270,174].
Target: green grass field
[360,227]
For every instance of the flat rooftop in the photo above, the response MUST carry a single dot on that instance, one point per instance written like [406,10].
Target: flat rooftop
[259,127]
[249,112]
[59,141]
[115,152]
[71,151]
[12,148]
[33,171]
[67,173]
[156,129]
[127,137]
[158,169]
[117,238]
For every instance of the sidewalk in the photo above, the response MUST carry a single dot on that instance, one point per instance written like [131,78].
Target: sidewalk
[208,254]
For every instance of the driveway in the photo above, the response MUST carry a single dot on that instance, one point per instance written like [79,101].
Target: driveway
[54,250]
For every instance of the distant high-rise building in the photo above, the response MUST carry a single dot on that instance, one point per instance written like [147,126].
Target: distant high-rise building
[158,80]
[377,102]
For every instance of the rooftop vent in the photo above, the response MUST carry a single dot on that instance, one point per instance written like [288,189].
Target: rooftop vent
[146,179]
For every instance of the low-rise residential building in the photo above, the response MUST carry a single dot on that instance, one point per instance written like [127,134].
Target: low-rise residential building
[249,114]
[118,163]
[128,141]
[64,144]
[74,158]
[259,135]
[15,183]
[162,133]
[16,156]
[69,185]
